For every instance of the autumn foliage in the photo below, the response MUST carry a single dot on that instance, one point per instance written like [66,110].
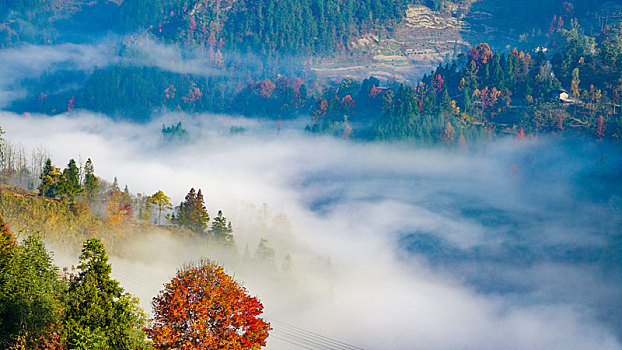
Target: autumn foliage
[204,308]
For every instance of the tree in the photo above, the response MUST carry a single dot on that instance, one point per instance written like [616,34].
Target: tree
[264,254]
[8,243]
[448,134]
[162,201]
[204,308]
[192,213]
[574,84]
[118,206]
[222,233]
[481,54]
[98,314]
[50,178]
[69,185]
[30,294]
[90,180]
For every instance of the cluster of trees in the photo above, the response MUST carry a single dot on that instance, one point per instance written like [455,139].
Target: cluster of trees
[69,183]
[578,87]
[42,308]
[79,189]
[267,27]
[310,26]
[192,215]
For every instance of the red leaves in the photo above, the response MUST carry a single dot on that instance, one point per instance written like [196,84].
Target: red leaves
[438,83]
[266,87]
[480,54]
[70,104]
[204,308]
[194,94]
[8,242]
[600,127]
[170,92]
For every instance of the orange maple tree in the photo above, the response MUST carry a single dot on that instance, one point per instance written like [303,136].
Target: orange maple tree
[204,308]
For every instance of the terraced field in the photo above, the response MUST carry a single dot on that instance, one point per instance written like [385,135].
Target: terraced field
[425,39]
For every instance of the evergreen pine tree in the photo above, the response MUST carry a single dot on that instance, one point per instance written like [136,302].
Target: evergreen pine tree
[192,213]
[90,180]
[29,296]
[97,312]
[222,233]
[50,178]
[70,186]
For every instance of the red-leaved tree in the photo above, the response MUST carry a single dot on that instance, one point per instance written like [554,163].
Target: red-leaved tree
[204,308]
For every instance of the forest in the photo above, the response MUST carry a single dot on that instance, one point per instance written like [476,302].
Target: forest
[244,161]
[44,307]
[572,88]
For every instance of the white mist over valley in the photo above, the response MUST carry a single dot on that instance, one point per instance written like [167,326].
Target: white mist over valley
[392,246]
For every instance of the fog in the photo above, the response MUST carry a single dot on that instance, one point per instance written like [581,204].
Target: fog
[30,61]
[511,245]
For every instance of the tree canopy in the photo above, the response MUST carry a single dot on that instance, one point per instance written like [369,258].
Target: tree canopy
[203,308]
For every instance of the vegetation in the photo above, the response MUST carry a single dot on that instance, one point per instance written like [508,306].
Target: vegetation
[310,26]
[191,213]
[87,309]
[480,95]
[30,295]
[204,308]
[98,314]
[41,310]
[483,93]
[162,201]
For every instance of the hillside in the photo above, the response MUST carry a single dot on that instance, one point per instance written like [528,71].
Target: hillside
[69,225]
[427,37]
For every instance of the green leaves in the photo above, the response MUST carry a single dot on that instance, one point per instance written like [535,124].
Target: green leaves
[192,213]
[97,310]
[30,294]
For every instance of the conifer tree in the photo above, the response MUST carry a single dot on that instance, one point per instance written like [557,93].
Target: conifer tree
[50,178]
[192,213]
[70,186]
[30,295]
[90,180]
[98,314]
[264,253]
[222,233]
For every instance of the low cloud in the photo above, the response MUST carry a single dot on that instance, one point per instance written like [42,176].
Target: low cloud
[498,247]
[30,61]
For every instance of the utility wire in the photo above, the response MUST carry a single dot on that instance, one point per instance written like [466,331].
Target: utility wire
[291,342]
[317,341]
[296,338]
[285,332]
[336,342]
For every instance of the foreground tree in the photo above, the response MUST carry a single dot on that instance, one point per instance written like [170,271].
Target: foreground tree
[30,293]
[204,308]
[98,314]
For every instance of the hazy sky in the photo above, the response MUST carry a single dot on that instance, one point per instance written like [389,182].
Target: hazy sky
[493,248]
